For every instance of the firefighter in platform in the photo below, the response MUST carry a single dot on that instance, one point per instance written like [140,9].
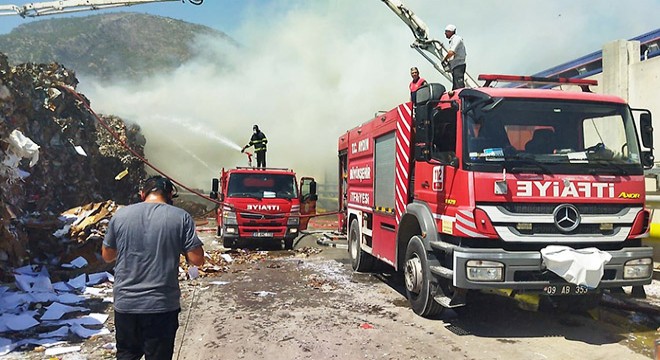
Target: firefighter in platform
[455,57]
[259,141]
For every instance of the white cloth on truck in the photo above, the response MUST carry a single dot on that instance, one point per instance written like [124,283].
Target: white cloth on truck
[581,267]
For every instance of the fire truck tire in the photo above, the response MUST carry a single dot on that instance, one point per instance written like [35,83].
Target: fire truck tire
[420,283]
[219,231]
[288,244]
[228,243]
[361,261]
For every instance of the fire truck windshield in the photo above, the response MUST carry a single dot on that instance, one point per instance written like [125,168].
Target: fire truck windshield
[262,185]
[561,136]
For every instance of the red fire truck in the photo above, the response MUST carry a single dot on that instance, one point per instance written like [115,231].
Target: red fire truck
[262,204]
[465,194]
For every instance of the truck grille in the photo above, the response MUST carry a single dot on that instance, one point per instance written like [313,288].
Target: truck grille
[552,229]
[586,209]
[272,220]
[253,216]
[537,222]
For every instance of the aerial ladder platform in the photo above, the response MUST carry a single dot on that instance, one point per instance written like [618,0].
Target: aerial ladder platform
[431,49]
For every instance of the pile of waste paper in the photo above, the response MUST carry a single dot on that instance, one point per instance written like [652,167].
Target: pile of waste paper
[36,313]
[54,156]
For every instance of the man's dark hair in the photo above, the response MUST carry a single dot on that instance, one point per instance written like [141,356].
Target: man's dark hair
[158,184]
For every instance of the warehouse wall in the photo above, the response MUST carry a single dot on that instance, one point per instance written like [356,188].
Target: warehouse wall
[638,83]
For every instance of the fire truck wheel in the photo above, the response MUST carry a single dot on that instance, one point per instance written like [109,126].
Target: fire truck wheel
[228,243]
[360,260]
[420,284]
[219,231]
[288,244]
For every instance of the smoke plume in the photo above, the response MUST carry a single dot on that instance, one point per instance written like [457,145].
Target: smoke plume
[323,67]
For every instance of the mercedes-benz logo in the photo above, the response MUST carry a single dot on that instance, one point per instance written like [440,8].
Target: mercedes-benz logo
[567,217]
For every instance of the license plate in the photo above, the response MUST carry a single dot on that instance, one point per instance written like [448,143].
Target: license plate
[262,234]
[565,289]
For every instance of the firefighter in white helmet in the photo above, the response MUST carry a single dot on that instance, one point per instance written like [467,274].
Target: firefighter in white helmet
[456,57]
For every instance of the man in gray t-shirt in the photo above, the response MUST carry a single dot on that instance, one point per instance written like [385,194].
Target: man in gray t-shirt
[146,240]
[456,57]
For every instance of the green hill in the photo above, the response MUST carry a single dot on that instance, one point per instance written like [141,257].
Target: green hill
[121,45]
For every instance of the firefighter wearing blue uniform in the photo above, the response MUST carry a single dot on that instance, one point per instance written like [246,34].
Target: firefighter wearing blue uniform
[259,141]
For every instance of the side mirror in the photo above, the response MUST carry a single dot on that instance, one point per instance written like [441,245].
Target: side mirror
[312,188]
[426,99]
[428,92]
[423,134]
[648,160]
[215,184]
[646,130]
[312,191]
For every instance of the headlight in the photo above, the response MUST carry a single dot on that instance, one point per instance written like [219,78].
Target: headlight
[294,219]
[482,270]
[638,268]
[229,217]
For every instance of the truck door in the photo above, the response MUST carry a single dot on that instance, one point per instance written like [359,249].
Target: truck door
[308,199]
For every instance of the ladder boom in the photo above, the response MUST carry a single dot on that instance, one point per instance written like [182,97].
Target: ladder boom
[42,8]
[432,50]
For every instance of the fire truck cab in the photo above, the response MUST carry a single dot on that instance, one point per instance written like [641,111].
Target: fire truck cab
[471,191]
[262,204]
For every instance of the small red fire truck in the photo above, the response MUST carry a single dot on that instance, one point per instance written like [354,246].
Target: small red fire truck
[262,204]
[466,194]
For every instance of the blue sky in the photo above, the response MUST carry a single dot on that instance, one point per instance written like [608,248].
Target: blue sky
[223,15]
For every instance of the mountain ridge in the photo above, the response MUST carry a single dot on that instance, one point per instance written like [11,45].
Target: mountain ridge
[112,45]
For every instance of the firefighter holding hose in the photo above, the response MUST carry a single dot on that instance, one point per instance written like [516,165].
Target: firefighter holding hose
[259,141]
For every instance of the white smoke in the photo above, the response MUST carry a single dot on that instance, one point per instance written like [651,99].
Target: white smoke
[324,67]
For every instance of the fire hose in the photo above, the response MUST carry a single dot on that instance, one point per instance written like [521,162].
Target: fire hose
[116,136]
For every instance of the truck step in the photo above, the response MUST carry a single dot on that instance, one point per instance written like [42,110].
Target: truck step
[442,272]
[443,246]
[452,302]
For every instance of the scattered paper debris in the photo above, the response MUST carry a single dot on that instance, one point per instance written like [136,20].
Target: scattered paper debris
[18,322]
[61,350]
[80,150]
[59,333]
[77,263]
[85,333]
[55,311]
[193,272]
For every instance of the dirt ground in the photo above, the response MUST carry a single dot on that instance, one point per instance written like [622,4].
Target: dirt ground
[309,304]
[293,306]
